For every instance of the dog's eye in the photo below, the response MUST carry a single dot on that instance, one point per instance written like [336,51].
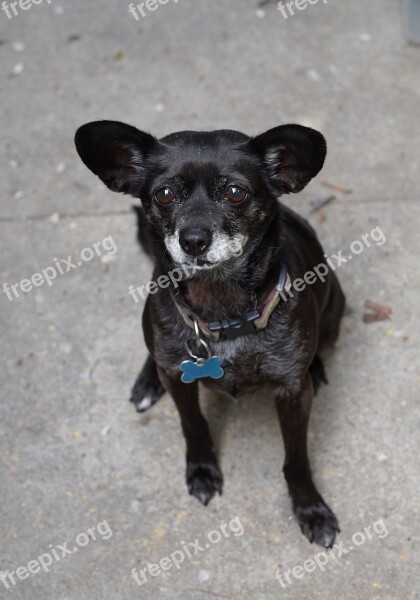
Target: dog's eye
[165,195]
[235,194]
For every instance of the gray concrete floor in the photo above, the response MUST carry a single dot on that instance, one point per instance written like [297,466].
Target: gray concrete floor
[73,452]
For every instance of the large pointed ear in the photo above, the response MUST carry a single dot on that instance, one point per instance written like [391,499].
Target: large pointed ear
[116,153]
[293,155]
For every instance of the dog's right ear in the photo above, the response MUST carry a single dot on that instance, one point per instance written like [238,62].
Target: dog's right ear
[116,153]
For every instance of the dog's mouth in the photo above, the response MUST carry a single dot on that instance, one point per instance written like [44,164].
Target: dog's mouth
[222,250]
[202,263]
[194,266]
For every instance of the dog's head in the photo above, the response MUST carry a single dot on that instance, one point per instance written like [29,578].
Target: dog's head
[207,195]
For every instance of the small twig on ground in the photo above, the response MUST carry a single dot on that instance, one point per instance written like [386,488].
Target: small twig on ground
[212,593]
[380,313]
[336,188]
[262,3]
[318,204]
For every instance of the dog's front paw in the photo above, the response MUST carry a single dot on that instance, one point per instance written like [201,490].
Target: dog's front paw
[204,480]
[318,523]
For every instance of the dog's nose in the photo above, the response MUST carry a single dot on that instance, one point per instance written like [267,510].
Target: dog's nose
[195,240]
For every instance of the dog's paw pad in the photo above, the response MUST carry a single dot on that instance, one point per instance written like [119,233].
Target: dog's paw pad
[318,523]
[204,480]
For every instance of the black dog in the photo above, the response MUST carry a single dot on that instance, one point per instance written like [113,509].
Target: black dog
[231,320]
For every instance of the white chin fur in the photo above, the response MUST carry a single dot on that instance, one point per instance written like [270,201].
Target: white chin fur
[221,249]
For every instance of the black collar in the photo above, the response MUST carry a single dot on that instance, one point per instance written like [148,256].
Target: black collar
[249,322]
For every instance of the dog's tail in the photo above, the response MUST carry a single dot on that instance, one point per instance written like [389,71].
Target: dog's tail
[144,232]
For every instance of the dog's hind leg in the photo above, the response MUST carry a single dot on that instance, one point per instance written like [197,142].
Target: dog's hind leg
[148,389]
[317,372]
[332,314]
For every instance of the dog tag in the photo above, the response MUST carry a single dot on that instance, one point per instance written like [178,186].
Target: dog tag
[199,368]
[193,370]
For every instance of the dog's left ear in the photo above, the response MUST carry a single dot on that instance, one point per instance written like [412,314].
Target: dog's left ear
[293,155]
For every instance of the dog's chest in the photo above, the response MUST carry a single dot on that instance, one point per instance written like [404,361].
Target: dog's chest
[248,362]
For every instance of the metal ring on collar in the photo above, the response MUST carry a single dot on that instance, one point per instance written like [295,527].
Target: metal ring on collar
[197,333]
[199,359]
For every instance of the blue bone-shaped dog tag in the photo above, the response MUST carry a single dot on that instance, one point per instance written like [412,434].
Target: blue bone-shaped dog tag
[191,371]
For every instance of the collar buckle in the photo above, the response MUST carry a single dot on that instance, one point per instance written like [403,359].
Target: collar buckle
[230,329]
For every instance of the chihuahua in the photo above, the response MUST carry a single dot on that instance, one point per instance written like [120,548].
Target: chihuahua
[232,321]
